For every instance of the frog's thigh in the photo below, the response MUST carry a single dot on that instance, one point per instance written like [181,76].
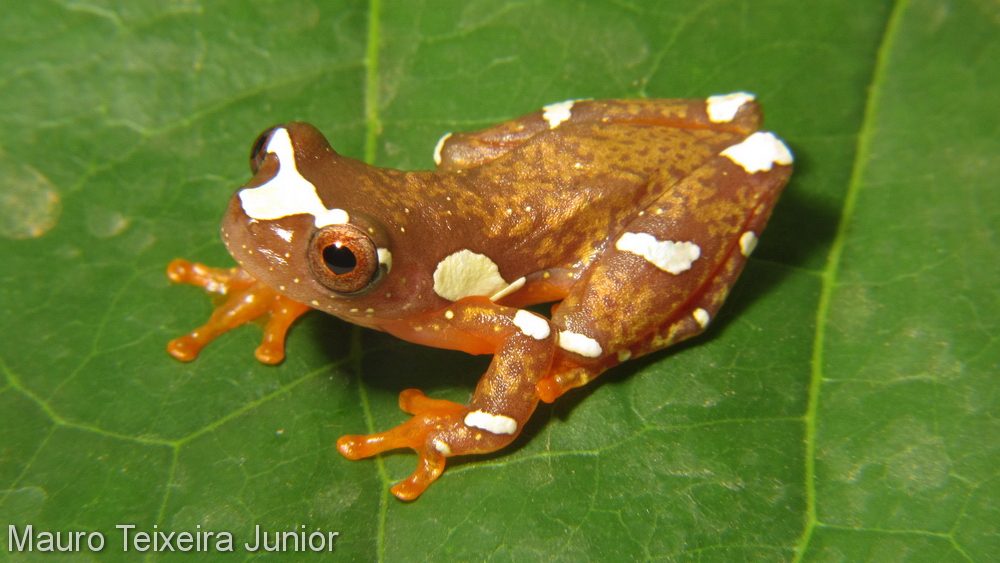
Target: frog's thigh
[664,277]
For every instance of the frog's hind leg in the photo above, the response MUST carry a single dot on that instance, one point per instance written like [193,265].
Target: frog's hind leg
[663,278]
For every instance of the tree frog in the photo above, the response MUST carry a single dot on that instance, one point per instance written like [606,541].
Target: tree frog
[635,216]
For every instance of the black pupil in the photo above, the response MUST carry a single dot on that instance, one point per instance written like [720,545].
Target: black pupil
[339,259]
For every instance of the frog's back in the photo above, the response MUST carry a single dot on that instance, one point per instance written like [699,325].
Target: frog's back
[559,186]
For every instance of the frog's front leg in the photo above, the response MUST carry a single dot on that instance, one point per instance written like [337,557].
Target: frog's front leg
[523,345]
[248,299]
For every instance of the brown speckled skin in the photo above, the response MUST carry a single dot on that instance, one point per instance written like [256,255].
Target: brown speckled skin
[543,203]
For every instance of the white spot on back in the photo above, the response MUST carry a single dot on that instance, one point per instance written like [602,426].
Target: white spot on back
[580,344]
[466,273]
[702,317]
[514,286]
[495,423]
[758,152]
[723,107]
[748,242]
[667,255]
[557,113]
[288,193]
[438,147]
[532,325]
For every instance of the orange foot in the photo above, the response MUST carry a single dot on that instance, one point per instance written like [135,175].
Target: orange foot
[248,299]
[428,414]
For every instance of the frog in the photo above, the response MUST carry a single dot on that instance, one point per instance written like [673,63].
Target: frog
[633,217]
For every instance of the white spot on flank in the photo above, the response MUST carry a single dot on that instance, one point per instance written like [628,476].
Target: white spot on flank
[748,242]
[439,146]
[624,355]
[384,257]
[288,193]
[580,344]
[441,446]
[466,273]
[758,152]
[495,423]
[723,108]
[701,316]
[532,325]
[667,255]
[557,113]
[514,286]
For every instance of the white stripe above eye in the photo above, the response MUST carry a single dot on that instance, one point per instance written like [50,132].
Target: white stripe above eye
[287,193]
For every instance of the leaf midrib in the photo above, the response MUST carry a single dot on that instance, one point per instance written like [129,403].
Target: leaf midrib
[829,274]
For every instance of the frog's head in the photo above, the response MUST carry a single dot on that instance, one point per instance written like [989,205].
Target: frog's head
[286,229]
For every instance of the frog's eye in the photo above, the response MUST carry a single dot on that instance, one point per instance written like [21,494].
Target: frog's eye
[343,258]
[259,150]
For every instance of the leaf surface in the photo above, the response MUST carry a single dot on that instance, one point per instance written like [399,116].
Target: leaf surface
[842,406]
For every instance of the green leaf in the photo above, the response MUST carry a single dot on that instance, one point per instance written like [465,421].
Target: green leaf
[840,408]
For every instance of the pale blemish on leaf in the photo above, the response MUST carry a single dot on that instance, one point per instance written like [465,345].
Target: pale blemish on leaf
[22,506]
[909,456]
[105,223]
[29,203]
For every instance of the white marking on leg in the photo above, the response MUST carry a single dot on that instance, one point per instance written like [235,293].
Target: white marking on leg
[495,423]
[667,255]
[624,355]
[441,446]
[748,242]
[287,193]
[557,113]
[760,151]
[580,344]
[532,325]
[514,286]
[465,273]
[723,107]
[702,317]
[440,145]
